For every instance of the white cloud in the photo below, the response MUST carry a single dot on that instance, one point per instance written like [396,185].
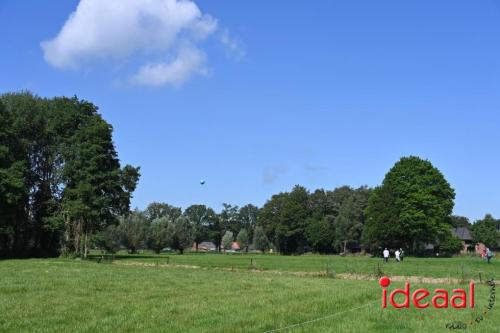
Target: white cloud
[189,61]
[117,29]
[234,47]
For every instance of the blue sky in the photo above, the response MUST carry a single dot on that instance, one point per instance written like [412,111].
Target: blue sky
[257,96]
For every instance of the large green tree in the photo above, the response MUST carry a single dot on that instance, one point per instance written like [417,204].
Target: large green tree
[202,218]
[108,239]
[348,226]
[410,208]
[158,234]
[181,232]
[459,221]
[260,240]
[247,216]
[320,233]
[484,231]
[243,239]
[320,225]
[13,191]
[348,208]
[227,240]
[156,210]
[132,229]
[61,175]
[284,218]
[229,218]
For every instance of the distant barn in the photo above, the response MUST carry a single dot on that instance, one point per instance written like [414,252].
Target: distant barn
[205,247]
[461,233]
[464,235]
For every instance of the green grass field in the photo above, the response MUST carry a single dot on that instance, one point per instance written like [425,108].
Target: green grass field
[42,295]
[455,268]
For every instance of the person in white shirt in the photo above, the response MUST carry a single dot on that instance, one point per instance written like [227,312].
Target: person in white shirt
[386,255]
[398,259]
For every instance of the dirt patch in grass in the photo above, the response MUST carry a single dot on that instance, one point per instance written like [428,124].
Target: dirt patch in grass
[343,276]
[416,279]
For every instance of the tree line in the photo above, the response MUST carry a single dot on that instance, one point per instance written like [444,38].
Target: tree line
[162,226]
[60,177]
[411,208]
[62,190]
[290,222]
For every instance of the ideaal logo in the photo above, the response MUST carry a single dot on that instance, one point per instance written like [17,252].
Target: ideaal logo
[458,300]
[422,298]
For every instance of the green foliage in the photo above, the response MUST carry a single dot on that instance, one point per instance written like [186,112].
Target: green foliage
[227,240]
[459,221]
[348,226]
[284,217]
[132,229]
[323,221]
[349,216]
[247,218]
[60,178]
[260,240]
[228,221]
[235,221]
[109,239]
[411,207]
[156,210]
[450,245]
[158,234]
[243,239]
[61,181]
[484,231]
[182,233]
[202,220]
[320,233]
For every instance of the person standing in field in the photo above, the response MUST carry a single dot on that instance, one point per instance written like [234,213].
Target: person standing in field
[489,255]
[386,255]
[401,254]
[397,253]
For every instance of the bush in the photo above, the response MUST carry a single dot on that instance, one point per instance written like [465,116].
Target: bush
[450,246]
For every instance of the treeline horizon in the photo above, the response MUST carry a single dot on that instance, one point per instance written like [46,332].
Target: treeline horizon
[63,190]
[333,222]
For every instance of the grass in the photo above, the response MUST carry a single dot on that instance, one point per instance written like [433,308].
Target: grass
[457,268]
[42,295]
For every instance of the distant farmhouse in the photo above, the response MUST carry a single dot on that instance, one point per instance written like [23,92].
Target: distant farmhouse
[464,235]
[205,247]
[210,247]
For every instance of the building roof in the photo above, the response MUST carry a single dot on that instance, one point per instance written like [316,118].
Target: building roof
[205,246]
[208,245]
[462,233]
[234,246]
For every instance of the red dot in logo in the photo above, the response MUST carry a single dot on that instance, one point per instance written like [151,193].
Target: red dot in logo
[384,281]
